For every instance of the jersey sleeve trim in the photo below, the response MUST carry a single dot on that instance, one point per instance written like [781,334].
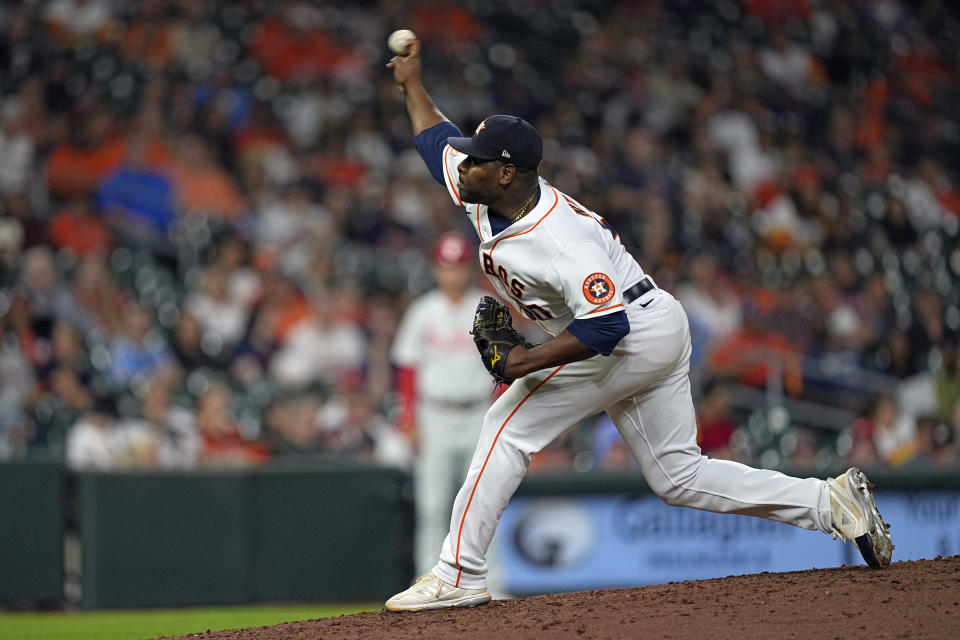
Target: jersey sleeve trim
[613,306]
[450,183]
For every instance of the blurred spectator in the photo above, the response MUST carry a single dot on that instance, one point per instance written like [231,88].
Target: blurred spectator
[68,387]
[138,350]
[894,356]
[251,358]
[78,163]
[202,186]
[320,348]
[863,453]
[97,442]
[147,39]
[709,300]
[757,355]
[933,444]
[244,285]
[873,306]
[95,300]
[16,387]
[165,437]
[294,43]
[138,200]
[716,423]
[31,225]
[929,330]
[221,443]
[195,37]
[73,20]
[947,382]
[290,231]
[77,229]
[556,456]
[188,345]
[292,428]
[222,319]
[801,448]
[350,426]
[67,352]
[43,290]
[892,432]
[610,452]
[17,159]
[787,63]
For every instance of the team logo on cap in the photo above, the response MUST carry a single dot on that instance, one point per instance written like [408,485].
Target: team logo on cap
[598,288]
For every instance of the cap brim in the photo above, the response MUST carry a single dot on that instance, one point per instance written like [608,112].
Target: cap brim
[469,147]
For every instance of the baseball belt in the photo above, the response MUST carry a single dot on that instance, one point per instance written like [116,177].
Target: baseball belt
[637,290]
[456,405]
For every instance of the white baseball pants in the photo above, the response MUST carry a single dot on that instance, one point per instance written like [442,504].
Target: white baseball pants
[645,389]
[446,440]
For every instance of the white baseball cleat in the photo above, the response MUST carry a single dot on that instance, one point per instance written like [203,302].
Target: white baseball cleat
[430,592]
[856,517]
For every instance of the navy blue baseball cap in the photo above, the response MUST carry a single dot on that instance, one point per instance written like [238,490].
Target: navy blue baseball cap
[507,138]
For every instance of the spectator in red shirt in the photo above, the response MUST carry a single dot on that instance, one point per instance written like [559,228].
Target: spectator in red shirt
[76,229]
[221,442]
[715,422]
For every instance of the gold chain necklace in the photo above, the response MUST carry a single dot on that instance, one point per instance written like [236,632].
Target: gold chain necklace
[522,211]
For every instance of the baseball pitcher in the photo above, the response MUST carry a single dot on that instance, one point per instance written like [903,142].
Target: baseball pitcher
[621,345]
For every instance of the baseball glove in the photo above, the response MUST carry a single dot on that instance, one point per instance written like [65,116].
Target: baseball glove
[494,335]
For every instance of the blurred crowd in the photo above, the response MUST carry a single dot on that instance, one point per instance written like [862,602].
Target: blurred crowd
[213,217]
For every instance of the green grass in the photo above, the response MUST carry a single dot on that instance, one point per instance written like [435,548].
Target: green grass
[136,625]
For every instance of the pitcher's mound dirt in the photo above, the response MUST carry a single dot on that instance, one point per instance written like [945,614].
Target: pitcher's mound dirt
[906,600]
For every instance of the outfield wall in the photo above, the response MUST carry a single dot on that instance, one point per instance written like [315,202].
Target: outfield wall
[337,532]
[343,532]
[32,517]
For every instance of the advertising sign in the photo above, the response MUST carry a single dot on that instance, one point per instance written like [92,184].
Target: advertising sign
[557,543]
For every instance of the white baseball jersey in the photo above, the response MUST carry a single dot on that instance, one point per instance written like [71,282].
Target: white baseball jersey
[434,338]
[559,263]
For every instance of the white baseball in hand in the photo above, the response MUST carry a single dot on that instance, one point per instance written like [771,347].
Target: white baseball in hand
[399,41]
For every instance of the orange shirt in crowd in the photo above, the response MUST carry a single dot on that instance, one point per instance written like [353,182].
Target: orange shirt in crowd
[74,171]
[286,52]
[207,190]
[289,316]
[749,355]
[149,41]
[231,449]
[79,232]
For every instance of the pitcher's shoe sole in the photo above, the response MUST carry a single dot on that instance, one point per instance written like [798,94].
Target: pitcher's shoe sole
[430,592]
[876,546]
[460,603]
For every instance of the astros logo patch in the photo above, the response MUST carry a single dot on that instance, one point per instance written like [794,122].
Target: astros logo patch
[598,288]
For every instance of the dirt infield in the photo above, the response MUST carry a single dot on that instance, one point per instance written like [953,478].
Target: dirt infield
[907,600]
